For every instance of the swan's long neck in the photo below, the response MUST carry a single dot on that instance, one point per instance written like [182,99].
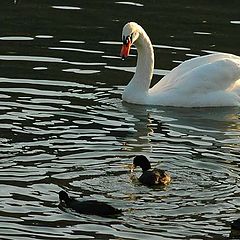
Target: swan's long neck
[139,85]
[145,62]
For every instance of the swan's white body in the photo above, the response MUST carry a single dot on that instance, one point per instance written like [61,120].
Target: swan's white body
[207,81]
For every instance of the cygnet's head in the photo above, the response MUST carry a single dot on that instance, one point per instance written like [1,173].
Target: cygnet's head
[63,196]
[142,162]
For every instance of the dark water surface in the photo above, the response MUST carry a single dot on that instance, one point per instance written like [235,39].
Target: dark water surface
[63,124]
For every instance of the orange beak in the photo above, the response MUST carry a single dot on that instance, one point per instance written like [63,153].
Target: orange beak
[125,50]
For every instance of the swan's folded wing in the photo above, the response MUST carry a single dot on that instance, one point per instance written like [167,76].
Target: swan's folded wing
[211,77]
[213,84]
[203,74]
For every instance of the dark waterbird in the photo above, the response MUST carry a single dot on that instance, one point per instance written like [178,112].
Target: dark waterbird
[90,207]
[150,177]
[236,224]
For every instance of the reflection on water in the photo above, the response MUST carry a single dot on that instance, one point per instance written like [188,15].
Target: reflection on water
[63,124]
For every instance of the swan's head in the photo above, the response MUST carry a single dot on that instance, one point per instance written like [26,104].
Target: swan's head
[130,34]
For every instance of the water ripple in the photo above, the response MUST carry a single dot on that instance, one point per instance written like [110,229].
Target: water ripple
[63,125]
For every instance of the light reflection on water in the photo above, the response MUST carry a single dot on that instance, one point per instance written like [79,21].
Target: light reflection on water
[64,126]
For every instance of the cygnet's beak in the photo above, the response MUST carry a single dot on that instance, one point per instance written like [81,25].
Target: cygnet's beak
[132,168]
[126,49]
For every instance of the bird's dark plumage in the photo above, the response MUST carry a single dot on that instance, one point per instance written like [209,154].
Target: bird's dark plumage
[91,207]
[236,224]
[150,176]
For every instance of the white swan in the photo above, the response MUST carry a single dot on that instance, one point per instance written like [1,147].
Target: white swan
[207,81]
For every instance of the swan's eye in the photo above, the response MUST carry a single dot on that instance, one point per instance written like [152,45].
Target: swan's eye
[126,40]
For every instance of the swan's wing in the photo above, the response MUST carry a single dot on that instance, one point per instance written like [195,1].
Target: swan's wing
[202,74]
[213,83]
[219,75]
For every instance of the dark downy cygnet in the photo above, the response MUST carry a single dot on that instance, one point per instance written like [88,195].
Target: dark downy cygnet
[150,177]
[91,207]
